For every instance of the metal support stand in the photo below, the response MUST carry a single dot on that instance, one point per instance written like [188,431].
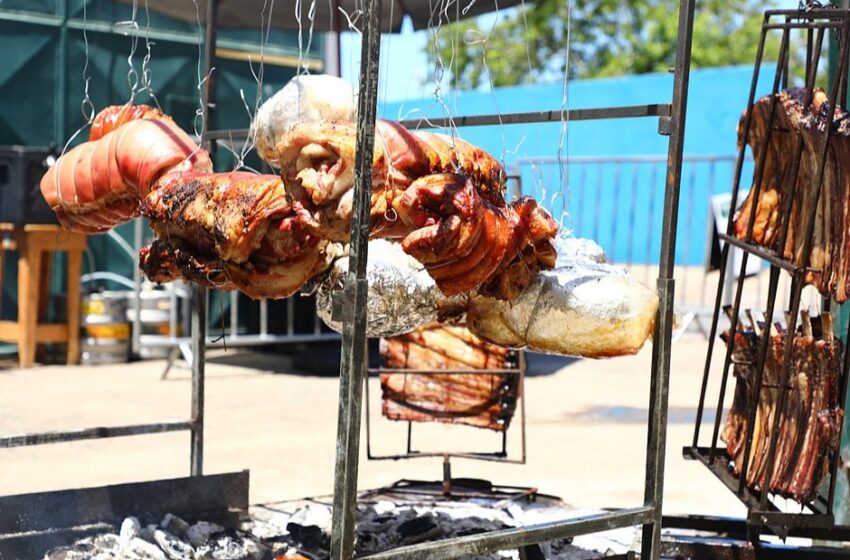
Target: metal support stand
[661,343]
[813,24]
[354,355]
[199,329]
[353,367]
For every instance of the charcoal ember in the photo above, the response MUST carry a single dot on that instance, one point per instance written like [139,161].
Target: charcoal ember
[173,547]
[140,549]
[200,532]
[313,515]
[419,529]
[174,525]
[310,537]
[130,529]
[232,546]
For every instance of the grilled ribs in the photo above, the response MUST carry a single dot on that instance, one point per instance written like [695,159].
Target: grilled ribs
[810,419]
[797,126]
[476,399]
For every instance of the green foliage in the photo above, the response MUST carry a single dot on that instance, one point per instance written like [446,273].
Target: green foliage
[607,38]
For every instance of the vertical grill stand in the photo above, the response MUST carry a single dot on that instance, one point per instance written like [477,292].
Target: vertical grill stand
[813,25]
[353,367]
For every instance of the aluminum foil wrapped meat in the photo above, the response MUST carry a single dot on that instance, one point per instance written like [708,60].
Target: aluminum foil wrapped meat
[402,295]
[584,307]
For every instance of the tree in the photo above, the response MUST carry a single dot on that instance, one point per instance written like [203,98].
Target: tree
[607,38]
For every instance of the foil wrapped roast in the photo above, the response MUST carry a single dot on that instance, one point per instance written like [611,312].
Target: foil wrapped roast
[584,307]
[402,295]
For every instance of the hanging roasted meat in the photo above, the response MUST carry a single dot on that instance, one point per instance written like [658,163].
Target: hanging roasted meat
[795,123]
[482,400]
[231,231]
[442,197]
[99,184]
[810,418]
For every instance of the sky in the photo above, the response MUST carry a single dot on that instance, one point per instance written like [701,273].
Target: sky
[404,64]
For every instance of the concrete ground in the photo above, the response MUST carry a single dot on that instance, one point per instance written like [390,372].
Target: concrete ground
[585,423]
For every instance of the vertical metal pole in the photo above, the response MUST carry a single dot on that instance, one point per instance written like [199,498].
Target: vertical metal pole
[234,314]
[661,347]
[353,362]
[60,123]
[199,336]
[264,317]
[199,293]
[138,240]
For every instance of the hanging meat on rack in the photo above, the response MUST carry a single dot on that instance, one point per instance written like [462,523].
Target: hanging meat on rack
[810,418]
[99,184]
[231,231]
[267,236]
[440,196]
[829,260]
[477,399]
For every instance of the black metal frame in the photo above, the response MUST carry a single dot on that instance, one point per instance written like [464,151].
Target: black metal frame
[354,368]
[764,515]
[500,456]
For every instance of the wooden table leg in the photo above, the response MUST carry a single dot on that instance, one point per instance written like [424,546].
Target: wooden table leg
[75,263]
[29,274]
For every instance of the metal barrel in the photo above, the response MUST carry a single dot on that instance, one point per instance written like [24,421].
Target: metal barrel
[105,336]
[155,318]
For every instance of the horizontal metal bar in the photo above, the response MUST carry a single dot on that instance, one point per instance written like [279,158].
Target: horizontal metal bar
[493,457]
[228,134]
[556,115]
[805,25]
[760,252]
[708,548]
[625,159]
[447,371]
[26,440]
[816,13]
[797,520]
[507,539]
[631,111]
[219,341]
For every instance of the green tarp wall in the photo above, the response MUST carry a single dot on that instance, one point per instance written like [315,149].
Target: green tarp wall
[42,57]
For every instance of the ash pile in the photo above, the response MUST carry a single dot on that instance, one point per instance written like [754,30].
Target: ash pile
[304,533]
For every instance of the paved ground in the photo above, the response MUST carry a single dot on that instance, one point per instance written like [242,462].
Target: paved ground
[586,431]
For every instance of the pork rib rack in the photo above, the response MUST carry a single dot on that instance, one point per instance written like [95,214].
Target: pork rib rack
[475,399]
[810,419]
[794,122]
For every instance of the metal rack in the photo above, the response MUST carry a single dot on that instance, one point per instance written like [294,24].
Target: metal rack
[354,362]
[764,515]
[500,455]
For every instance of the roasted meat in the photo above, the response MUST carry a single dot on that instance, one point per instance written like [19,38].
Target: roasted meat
[98,184]
[442,197]
[797,126]
[239,230]
[810,418]
[476,399]
[266,236]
